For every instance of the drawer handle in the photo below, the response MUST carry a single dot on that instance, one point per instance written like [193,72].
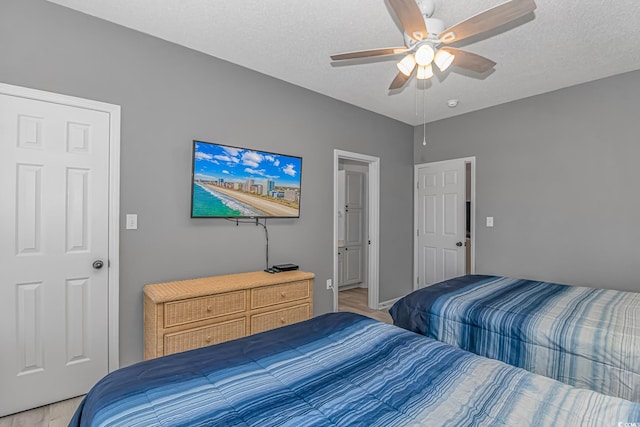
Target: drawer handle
[283,294]
[208,308]
[208,339]
[282,320]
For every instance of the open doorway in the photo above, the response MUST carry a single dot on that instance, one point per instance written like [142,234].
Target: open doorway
[355,228]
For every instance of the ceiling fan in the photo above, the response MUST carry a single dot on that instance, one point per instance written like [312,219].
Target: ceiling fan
[427,42]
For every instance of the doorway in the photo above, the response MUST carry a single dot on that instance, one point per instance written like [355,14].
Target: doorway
[444,215]
[355,226]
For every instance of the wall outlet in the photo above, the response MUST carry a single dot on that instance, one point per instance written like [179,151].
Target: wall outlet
[329,284]
[489,221]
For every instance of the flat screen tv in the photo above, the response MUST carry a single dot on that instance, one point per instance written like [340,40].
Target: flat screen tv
[235,182]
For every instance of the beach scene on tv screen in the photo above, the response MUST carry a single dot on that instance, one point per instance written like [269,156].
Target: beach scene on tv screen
[237,182]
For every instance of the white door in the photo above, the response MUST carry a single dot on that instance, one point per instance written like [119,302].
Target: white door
[54,184]
[354,222]
[352,268]
[353,226]
[354,190]
[440,221]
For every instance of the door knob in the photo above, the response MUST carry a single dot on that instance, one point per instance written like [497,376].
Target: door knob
[98,264]
[459,244]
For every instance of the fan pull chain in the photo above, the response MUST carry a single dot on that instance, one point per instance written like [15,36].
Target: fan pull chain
[424,117]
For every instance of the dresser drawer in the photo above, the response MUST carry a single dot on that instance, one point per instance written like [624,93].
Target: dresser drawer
[207,335]
[275,319]
[193,310]
[277,294]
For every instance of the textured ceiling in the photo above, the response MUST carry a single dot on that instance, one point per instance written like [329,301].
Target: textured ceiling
[565,42]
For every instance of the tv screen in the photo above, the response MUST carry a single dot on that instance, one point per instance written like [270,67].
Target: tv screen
[234,182]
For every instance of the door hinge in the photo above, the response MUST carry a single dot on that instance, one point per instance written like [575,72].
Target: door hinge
[417,280]
[418,232]
[417,185]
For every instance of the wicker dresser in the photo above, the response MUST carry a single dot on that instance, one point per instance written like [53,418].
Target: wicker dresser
[188,314]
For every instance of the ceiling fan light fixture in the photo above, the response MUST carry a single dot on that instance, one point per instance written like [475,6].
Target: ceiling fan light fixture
[443,59]
[424,35]
[406,65]
[424,55]
[424,72]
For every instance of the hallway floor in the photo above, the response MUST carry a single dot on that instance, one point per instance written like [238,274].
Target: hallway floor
[355,301]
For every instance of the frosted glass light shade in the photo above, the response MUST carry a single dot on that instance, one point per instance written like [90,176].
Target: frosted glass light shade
[425,72]
[424,55]
[406,65]
[444,59]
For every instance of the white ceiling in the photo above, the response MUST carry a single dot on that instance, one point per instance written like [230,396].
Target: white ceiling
[565,42]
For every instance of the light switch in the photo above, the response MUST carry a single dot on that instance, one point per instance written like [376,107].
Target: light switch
[489,221]
[132,222]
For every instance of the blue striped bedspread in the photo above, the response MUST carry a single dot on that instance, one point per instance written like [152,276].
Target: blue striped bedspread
[585,337]
[340,369]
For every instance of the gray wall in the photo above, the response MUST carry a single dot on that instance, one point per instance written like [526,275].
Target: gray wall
[559,172]
[171,95]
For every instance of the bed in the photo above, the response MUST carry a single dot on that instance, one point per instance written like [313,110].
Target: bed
[585,337]
[339,369]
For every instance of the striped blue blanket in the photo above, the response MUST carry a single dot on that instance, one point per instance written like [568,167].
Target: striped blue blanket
[340,369]
[586,337]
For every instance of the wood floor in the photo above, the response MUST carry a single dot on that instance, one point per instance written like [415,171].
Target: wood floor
[59,414]
[355,301]
[54,415]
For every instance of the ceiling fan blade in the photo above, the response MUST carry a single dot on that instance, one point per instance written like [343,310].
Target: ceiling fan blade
[487,20]
[368,53]
[410,17]
[470,61]
[399,81]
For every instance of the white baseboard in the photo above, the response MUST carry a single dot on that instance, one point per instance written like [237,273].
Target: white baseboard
[347,287]
[386,304]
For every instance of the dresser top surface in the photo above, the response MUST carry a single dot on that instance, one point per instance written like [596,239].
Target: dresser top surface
[171,291]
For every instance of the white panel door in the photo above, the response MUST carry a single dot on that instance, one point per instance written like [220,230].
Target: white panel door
[54,183]
[440,218]
[354,190]
[354,224]
[353,227]
[352,265]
